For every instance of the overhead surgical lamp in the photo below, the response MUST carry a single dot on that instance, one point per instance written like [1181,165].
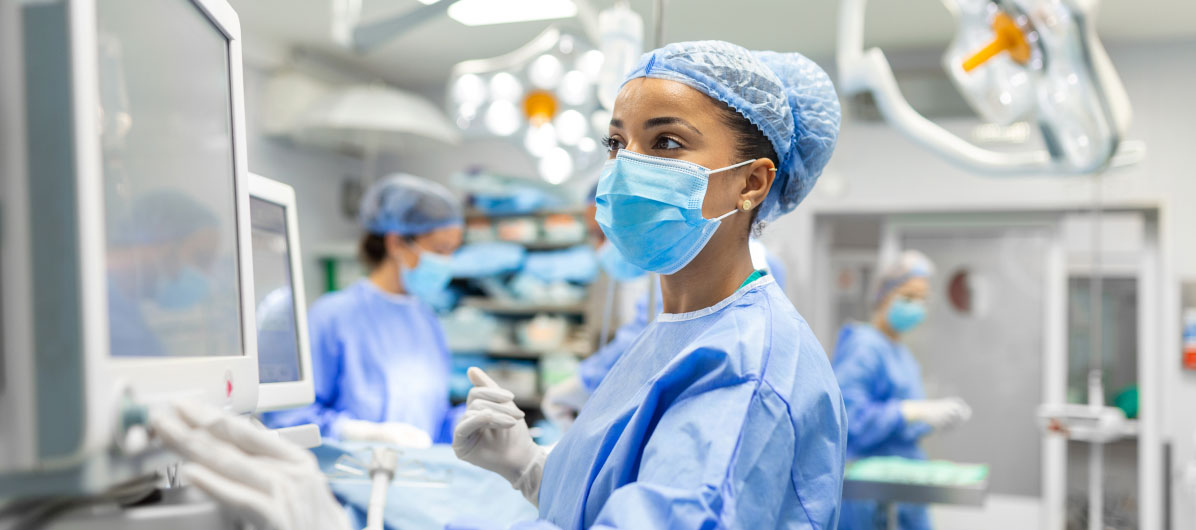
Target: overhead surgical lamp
[541,96]
[1036,60]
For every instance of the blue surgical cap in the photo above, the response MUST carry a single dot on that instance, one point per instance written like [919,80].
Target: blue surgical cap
[409,206]
[786,95]
[910,264]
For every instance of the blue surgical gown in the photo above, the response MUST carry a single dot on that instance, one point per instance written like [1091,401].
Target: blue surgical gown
[724,417]
[593,369]
[378,357]
[876,375]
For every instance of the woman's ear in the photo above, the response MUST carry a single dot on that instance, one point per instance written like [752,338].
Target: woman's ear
[398,249]
[761,175]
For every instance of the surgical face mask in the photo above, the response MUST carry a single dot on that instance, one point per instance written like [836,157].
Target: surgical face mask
[905,314]
[650,208]
[430,276]
[615,265]
[188,288]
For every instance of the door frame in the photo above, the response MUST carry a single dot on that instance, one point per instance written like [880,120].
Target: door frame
[1053,474]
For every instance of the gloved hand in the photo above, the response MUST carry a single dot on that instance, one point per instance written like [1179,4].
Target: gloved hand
[493,435]
[267,481]
[563,401]
[938,413]
[394,433]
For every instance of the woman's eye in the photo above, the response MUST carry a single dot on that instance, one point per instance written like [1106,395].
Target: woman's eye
[666,143]
[612,144]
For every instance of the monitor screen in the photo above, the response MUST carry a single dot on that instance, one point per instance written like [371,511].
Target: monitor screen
[170,205]
[277,332]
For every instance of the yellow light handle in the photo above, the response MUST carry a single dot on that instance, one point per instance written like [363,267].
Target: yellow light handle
[1008,38]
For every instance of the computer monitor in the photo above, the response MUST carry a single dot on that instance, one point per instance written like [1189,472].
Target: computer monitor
[284,357]
[125,264]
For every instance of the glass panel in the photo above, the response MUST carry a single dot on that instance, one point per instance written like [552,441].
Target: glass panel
[170,207]
[990,355]
[1119,340]
[277,346]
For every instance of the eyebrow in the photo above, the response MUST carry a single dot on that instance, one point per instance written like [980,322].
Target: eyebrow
[659,122]
[670,120]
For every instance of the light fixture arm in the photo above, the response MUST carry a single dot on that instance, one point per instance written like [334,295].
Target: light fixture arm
[368,37]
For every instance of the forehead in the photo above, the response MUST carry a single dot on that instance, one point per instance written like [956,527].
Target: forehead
[917,286]
[648,95]
[443,240]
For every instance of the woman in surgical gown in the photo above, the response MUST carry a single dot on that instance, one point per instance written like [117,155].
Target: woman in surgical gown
[724,412]
[379,357]
[887,410]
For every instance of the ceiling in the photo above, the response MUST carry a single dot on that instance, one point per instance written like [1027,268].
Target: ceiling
[421,59]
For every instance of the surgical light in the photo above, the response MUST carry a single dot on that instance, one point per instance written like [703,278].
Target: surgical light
[571,127]
[590,64]
[469,89]
[540,140]
[545,72]
[539,107]
[539,97]
[575,88]
[556,166]
[1012,60]
[502,118]
[486,12]
[505,87]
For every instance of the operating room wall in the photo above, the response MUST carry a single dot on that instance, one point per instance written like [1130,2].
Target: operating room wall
[875,169]
[316,176]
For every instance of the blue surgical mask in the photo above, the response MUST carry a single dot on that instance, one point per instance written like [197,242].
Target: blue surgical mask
[615,265]
[428,279]
[186,289]
[905,314]
[651,209]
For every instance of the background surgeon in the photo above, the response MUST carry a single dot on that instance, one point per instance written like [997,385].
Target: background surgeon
[379,356]
[887,409]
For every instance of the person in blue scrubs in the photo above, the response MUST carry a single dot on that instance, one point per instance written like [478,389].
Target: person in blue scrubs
[887,409]
[379,357]
[564,400]
[724,412]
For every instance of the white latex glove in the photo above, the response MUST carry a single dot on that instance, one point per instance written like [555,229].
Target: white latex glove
[938,413]
[267,481]
[394,433]
[563,401]
[493,435]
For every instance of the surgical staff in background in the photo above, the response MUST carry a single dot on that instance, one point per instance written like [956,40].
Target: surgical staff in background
[379,357]
[724,412]
[887,409]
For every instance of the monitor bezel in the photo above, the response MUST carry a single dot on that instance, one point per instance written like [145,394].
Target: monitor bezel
[229,381]
[16,320]
[289,394]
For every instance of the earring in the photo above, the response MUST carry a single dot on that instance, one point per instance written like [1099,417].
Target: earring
[747,205]
[772,169]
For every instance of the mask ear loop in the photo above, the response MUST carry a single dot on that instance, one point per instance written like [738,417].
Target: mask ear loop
[730,167]
[726,215]
[733,166]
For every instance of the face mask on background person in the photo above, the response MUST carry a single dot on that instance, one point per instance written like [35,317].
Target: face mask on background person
[905,314]
[430,276]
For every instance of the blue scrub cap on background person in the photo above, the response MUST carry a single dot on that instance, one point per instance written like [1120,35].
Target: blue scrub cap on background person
[786,95]
[409,206]
[910,264]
